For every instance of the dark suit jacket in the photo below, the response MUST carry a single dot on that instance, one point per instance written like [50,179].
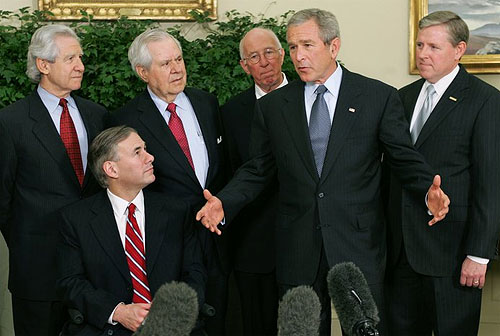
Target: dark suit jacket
[251,234]
[342,210]
[93,273]
[174,175]
[459,140]
[37,179]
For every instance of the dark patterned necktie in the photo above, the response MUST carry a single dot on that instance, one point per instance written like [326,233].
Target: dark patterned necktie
[70,139]
[319,128]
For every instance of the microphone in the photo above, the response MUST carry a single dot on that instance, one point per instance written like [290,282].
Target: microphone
[353,301]
[299,312]
[174,311]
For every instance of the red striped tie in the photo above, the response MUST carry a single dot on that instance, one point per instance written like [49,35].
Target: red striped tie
[136,258]
[70,140]
[177,129]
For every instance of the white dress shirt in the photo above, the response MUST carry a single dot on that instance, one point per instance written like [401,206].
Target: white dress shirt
[259,93]
[120,211]
[195,139]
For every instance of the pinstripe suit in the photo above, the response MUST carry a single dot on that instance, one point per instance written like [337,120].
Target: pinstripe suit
[459,140]
[341,212]
[36,180]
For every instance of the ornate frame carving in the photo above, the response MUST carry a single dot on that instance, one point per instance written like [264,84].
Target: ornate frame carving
[167,10]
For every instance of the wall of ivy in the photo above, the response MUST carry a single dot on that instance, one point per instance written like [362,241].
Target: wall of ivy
[211,62]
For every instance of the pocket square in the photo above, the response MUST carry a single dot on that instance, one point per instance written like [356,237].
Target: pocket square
[352,109]
[219,140]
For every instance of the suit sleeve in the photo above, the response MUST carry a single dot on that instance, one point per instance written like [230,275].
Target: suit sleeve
[193,270]
[8,166]
[76,291]
[404,160]
[485,180]
[255,175]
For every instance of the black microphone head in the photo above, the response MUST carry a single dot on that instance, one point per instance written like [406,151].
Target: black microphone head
[299,312]
[351,296]
[173,312]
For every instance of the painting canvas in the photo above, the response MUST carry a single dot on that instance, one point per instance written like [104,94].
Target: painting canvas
[483,19]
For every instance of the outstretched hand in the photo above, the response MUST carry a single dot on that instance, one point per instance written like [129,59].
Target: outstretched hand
[212,212]
[437,201]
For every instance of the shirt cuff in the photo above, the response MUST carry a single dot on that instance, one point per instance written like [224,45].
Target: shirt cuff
[427,204]
[110,319]
[223,221]
[479,260]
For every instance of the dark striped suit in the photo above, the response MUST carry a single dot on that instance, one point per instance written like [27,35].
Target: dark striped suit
[460,141]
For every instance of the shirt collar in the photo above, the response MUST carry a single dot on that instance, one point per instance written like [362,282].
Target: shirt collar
[120,205]
[259,93]
[181,100]
[51,102]
[441,85]
[332,84]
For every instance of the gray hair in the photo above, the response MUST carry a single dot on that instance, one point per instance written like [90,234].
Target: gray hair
[269,31]
[103,148]
[43,46]
[138,53]
[326,21]
[456,27]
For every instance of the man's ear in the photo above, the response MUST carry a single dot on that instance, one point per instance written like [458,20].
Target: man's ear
[110,169]
[460,50]
[335,47]
[42,66]
[244,66]
[142,72]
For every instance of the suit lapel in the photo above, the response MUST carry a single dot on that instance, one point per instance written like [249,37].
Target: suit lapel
[154,227]
[455,93]
[90,127]
[106,232]
[346,113]
[45,131]
[207,129]
[152,120]
[294,114]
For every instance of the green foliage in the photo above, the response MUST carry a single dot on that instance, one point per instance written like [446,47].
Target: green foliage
[212,62]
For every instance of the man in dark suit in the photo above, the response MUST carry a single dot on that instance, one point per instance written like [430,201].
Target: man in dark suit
[437,272]
[329,209]
[251,234]
[97,259]
[44,139]
[187,143]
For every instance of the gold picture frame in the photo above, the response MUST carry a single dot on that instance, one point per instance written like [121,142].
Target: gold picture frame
[473,63]
[166,10]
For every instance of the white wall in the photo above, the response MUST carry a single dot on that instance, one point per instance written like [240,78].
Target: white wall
[374,43]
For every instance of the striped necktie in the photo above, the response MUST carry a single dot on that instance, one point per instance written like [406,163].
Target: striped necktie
[136,258]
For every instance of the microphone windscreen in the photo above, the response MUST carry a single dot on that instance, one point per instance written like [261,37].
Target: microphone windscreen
[174,311]
[299,312]
[351,296]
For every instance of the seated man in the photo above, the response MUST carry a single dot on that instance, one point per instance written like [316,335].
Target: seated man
[119,246]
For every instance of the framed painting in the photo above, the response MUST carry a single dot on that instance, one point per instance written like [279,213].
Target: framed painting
[483,19]
[167,10]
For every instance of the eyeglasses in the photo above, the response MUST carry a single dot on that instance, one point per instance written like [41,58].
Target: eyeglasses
[269,54]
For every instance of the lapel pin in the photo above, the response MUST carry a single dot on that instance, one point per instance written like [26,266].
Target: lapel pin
[219,140]
[352,110]
[453,98]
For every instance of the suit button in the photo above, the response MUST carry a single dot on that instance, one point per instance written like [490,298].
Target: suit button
[110,332]
[318,227]
[321,195]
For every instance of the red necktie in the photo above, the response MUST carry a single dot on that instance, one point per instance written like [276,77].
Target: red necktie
[136,258]
[175,125]
[70,140]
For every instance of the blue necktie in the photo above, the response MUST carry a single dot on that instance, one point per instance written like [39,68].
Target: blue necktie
[319,128]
